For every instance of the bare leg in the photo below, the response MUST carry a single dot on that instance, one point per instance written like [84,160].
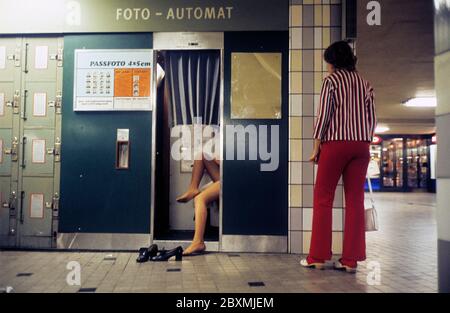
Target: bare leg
[197,174]
[211,193]
[213,169]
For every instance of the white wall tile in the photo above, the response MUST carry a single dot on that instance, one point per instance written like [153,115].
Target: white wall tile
[307,219]
[296,218]
[296,242]
[306,241]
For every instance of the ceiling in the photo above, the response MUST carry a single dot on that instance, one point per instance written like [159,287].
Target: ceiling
[397,58]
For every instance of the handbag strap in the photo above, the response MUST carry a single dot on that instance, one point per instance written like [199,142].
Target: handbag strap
[369,183]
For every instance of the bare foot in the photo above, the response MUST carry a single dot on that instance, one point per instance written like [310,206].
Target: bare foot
[188,195]
[195,248]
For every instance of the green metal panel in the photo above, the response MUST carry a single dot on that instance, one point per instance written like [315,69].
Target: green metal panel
[5,185]
[7,92]
[9,83]
[37,170]
[36,226]
[47,120]
[29,59]
[255,202]
[96,197]
[10,44]
[33,166]
[5,159]
[7,76]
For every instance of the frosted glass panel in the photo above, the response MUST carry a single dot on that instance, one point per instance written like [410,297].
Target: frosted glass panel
[256,86]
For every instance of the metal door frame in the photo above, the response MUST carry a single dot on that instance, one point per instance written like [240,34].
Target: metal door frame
[166,41]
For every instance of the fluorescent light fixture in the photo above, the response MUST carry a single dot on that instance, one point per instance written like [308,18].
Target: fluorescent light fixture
[381,129]
[421,102]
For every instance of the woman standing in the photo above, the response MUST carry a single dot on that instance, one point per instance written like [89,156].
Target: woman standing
[343,132]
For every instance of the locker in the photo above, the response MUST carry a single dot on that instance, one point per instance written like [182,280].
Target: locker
[6,103]
[40,125]
[30,84]
[38,157]
[39,104]
[5,152]
[5,192]
[8,75]
[12,49]
[40,58]
[9,99]
[35,214]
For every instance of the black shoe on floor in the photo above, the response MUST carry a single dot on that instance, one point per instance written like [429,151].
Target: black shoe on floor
[146,254]
[166,255]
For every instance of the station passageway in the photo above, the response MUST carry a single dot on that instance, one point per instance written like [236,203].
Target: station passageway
[396,252]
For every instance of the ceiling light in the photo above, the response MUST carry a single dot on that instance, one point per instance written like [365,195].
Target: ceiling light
[381,129]
[421,102]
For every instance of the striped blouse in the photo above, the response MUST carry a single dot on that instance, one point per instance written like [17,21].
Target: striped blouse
[347,109]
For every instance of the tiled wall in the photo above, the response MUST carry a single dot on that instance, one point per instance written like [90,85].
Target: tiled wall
[314,24]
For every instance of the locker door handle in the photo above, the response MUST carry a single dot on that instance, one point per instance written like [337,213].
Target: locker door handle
[55,205]
[24,110]
[17,57]
[16,102]
[57,150]
[22,198]
[26,58]
[12,203]
[13,150]
[24,141]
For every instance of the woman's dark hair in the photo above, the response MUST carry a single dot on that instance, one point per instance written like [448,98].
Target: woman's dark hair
[341,56]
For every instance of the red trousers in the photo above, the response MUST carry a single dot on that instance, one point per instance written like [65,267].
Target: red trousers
[349,159]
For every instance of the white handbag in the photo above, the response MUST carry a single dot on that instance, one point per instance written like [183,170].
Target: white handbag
[371,216]
[373,170]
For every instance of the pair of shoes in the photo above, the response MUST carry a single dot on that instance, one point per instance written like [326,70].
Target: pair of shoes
[146,254]
[165,255]
[344,266]
[312,263]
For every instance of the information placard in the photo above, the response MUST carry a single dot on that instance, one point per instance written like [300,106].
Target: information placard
[113,80]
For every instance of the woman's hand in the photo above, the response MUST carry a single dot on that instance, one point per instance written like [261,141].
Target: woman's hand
[316,151]
[314,157]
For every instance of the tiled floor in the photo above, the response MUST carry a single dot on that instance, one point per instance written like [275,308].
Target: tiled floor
[404,251]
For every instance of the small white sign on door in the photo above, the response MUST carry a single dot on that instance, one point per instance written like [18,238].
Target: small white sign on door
[40,104]
[37,205]
[38,151]
[41,57]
